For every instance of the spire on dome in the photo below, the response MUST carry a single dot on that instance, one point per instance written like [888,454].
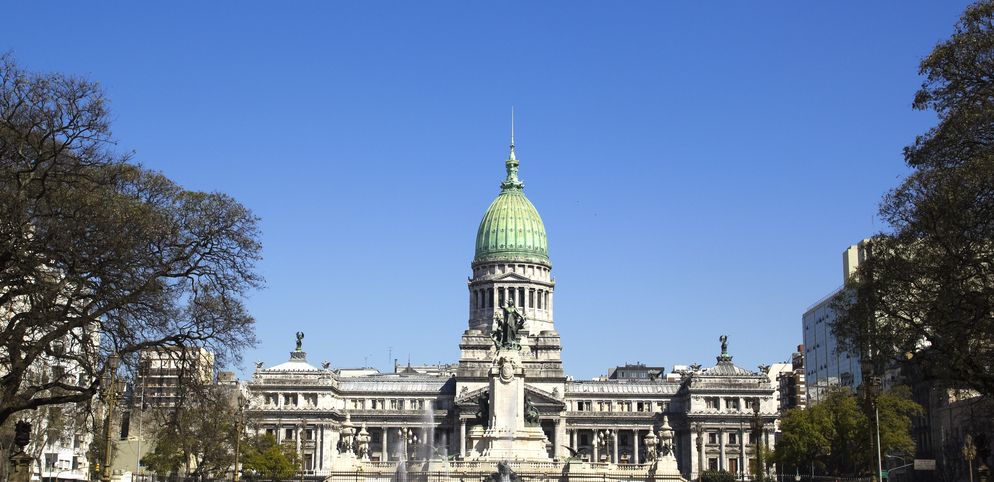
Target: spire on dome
[512,181]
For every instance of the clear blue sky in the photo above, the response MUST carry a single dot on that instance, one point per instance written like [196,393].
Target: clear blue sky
[700,166]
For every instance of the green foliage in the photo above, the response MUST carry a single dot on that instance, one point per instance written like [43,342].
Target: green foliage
[717,476]
[269,460]
[926,293]
[836,433]
[197,437]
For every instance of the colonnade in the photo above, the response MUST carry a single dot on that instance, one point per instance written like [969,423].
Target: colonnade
[604,443]
[495,296]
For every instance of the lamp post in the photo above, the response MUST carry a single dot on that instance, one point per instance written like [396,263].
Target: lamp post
[969,453]
[239,423]
[303,446]
[109,392]
[757,430]
[871,390]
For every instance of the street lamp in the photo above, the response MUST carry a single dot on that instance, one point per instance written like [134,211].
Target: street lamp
[239,423]
[109,393]
[757,427]
[871,389]
[969,453]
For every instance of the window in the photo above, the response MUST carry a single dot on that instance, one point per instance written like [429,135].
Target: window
[540,300]
[521,297]
[733,438]
[290,399]
[752,438]
[271,431]
[311,399]
[272,399]
[395,404]
[732,403]
[711,402]
[712,463]
[713,438]
[288,434]
[733,465]
[309,434]
[531,298]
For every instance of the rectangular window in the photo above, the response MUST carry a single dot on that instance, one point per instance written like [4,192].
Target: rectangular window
[540,300]
[711,402]
[712,438]
[521,297]
[733,466]
[288,434]
[732,403]
[712,463]
[531,298]
[733,438]
[500,296]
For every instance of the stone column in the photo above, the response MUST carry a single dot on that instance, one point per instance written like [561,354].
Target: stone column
[721,450]
[560,437]
[743,465]
[384,445]
[462,438]
[595,441]
[635,446]
[615,435]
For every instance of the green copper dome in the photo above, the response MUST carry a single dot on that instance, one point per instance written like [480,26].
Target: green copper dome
[511,229]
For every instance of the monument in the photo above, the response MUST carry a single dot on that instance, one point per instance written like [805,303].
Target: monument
[512,422]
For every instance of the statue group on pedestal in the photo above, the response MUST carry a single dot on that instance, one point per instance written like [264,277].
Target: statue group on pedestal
[508,323]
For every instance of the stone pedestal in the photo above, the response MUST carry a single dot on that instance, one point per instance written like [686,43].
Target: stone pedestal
[20,467]
[508,437]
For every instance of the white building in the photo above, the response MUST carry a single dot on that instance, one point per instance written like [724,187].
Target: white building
[606,421]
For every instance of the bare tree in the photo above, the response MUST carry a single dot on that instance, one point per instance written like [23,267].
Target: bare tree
[100,256]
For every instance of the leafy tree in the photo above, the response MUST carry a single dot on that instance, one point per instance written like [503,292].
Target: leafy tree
[926,292]
[99,255]
[834,436]
[717,476]
[269,459]
[197,435]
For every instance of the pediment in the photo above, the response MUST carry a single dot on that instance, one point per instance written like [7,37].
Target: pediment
[543,398]
[511,277]
[470,397]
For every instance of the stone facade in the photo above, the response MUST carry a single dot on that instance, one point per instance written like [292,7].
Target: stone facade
[705,415]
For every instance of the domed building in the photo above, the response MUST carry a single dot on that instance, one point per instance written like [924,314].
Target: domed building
[342,419]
